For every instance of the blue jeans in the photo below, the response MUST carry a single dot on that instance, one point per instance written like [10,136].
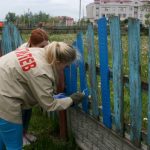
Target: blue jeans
[10,135]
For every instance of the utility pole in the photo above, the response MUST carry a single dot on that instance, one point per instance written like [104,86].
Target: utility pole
[79,11]
[28,18]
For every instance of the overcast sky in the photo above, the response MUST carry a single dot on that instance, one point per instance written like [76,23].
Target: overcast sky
[52,7]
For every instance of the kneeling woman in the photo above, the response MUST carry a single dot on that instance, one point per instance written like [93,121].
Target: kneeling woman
[28,76]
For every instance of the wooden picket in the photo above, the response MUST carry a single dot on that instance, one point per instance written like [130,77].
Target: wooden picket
[67,73]
[117,72]
[104,71]
[83,79]
[71,77]
[135,80]
[92,70]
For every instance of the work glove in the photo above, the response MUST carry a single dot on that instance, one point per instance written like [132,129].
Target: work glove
[77,97]
[59,96]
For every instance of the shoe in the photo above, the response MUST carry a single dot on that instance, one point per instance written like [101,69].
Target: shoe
[30,137]
[25,141]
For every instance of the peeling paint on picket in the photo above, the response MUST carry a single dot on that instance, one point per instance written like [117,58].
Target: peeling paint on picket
[92,70]
[135,80]
[117,72]
[83,79]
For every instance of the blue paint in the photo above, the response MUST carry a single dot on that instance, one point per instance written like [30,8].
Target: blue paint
[117,73]
[73,83]
[67,73]
[71,77]
[92,70]
[86,92]
[83,80]
[135,80]
[104,71]
[11,38]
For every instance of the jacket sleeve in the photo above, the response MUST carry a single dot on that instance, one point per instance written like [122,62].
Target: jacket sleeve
[42,89]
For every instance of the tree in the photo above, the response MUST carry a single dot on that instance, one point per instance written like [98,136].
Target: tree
[10,17]
[147,20]
[146,8]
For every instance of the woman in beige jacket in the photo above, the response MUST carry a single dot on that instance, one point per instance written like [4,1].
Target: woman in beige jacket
[29,77]
[38,38]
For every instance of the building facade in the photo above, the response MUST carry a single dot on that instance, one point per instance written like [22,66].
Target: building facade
[123,8]
[65,20]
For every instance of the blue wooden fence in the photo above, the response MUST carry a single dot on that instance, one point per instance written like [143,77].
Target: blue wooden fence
[89,79]
[11,38]
[91,75]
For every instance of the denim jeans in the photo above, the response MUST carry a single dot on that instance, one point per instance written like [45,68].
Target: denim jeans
[10,135]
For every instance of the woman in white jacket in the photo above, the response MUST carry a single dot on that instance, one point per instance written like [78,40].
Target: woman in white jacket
[29,77]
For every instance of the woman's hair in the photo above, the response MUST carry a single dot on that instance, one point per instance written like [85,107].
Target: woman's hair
[38,36]
[60,51]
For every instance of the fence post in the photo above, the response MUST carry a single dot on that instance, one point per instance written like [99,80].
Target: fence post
[117,73]
[83,80]
[92,70]
[62,113]
[148,137]
[104,71]
[135,80]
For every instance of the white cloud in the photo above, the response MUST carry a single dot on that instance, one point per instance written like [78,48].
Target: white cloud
[52,7]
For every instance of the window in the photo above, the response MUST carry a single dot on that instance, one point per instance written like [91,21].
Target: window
[130,15]
[130,8]
[97,15]
[141,15]
[106,9]
[124,15]
[122,9]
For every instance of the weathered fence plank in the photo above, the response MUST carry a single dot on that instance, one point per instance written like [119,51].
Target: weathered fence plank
[11,38]
[135,80]
[92,70]
[148,138]
[83,79]
[117,72]
[104,71]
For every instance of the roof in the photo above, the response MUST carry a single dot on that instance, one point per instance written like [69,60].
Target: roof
[119,1]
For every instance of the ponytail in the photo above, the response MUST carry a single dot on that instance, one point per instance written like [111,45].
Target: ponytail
[60,51]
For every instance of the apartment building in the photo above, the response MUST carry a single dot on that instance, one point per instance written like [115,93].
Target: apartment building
[122,8]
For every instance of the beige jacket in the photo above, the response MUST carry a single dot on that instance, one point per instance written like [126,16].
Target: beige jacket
[26,79]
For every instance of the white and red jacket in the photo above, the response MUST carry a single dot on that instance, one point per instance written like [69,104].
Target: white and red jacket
[26,79]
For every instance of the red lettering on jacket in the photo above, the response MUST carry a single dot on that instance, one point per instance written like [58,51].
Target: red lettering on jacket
[25,59]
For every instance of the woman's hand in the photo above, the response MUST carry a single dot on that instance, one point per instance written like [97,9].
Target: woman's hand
[77,97]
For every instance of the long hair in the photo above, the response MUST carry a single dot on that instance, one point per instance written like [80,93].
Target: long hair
[60,51]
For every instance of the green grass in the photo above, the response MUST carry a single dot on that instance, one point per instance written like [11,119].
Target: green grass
[47,133]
